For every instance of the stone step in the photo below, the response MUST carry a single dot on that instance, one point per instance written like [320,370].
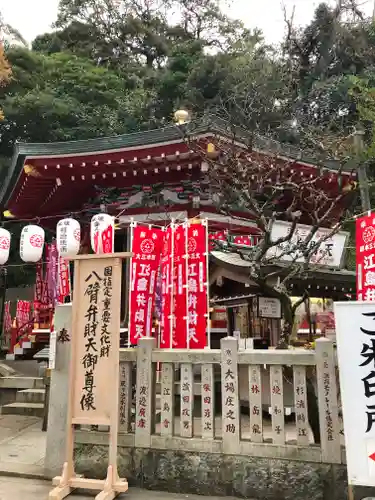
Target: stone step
[30,396]
[21,383]
[27,409]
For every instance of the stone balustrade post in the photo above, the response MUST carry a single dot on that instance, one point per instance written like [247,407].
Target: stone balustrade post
[59,390]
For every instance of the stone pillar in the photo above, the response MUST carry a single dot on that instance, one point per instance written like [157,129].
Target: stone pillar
[230,396]
[145,393]
[327,400]
[58,403]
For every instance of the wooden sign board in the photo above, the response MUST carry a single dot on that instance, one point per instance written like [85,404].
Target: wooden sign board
[94,368]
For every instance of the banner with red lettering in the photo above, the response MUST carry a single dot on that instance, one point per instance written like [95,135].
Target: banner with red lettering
[7,318]
[108,239]
[146,248]
[167,288]
[38,293]
[23,313]
[197,285]
[219,235]
[51,273]
[365,257]
[179,334]
[64,286]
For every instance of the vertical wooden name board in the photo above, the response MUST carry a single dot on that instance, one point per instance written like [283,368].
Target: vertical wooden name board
[94,367]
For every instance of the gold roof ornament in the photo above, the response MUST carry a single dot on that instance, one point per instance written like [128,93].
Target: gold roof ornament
[31,170]
[211,150]
[8,214]
[350,186]
[195,220]
[181,116]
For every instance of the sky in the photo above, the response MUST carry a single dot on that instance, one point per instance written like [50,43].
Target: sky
[33,17]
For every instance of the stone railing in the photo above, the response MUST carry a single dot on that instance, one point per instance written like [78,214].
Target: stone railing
[213,422]
[217,401]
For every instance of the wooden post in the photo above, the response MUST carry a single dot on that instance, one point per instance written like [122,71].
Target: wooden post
[187,400]
[125,396]
[167,400]
[327,400]
[277,404]
[208,402]
[255,403]
[94,367]
[300,404]
[145,393]
[230,399]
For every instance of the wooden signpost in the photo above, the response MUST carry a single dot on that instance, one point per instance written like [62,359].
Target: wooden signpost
[94,367]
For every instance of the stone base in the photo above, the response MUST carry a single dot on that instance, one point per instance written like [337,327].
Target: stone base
[213,474]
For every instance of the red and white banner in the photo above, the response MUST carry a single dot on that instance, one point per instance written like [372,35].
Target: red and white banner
[198,319]
[365,257]
[23,313]
[38,294]
[51,273]
[64,286]
[219,235]
[167,289]
[102,229]
[7,318]
[146,248]
[179,333]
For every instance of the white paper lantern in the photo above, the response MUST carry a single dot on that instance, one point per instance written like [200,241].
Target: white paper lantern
[102,233]
[32,243]
[4,245]
[68,237]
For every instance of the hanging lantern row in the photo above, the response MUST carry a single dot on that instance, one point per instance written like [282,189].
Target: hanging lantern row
[68,239]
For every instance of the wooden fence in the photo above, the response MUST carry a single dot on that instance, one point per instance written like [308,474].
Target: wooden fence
[217,401]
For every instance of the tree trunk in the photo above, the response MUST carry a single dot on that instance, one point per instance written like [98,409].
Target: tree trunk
[312,400]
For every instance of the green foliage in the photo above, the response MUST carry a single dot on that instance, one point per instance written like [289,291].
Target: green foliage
[117,66]
[63,97]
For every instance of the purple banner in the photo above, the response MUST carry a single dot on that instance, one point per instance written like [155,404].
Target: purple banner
[52,256]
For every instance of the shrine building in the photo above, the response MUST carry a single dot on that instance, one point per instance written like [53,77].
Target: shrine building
[153,177]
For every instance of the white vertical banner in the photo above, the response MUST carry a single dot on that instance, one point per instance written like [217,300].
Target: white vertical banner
[355,335]
[52,350]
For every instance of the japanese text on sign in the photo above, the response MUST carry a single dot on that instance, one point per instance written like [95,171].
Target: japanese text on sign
[146,248]
[365,257]
[197,286]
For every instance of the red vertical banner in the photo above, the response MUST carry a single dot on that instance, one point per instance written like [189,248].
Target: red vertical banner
[146,248]
[365,257]
[179,333]
[108,239]
[22,314]
[167,289]
[197,285]
[7,318]
[19,313]
[38,294]
[64,289]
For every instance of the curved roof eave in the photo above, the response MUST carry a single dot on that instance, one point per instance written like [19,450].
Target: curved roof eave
[230,260]
[209,125]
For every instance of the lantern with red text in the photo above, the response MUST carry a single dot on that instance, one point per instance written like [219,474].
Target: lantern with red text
[31,243]
[68,237]
[102,233]
[4,245]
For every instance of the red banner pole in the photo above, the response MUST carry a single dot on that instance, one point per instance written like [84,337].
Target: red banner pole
[171,316]
[132,226]
[186,287]
[205,224]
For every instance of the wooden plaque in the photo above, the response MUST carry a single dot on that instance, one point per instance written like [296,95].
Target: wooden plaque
[94,366]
